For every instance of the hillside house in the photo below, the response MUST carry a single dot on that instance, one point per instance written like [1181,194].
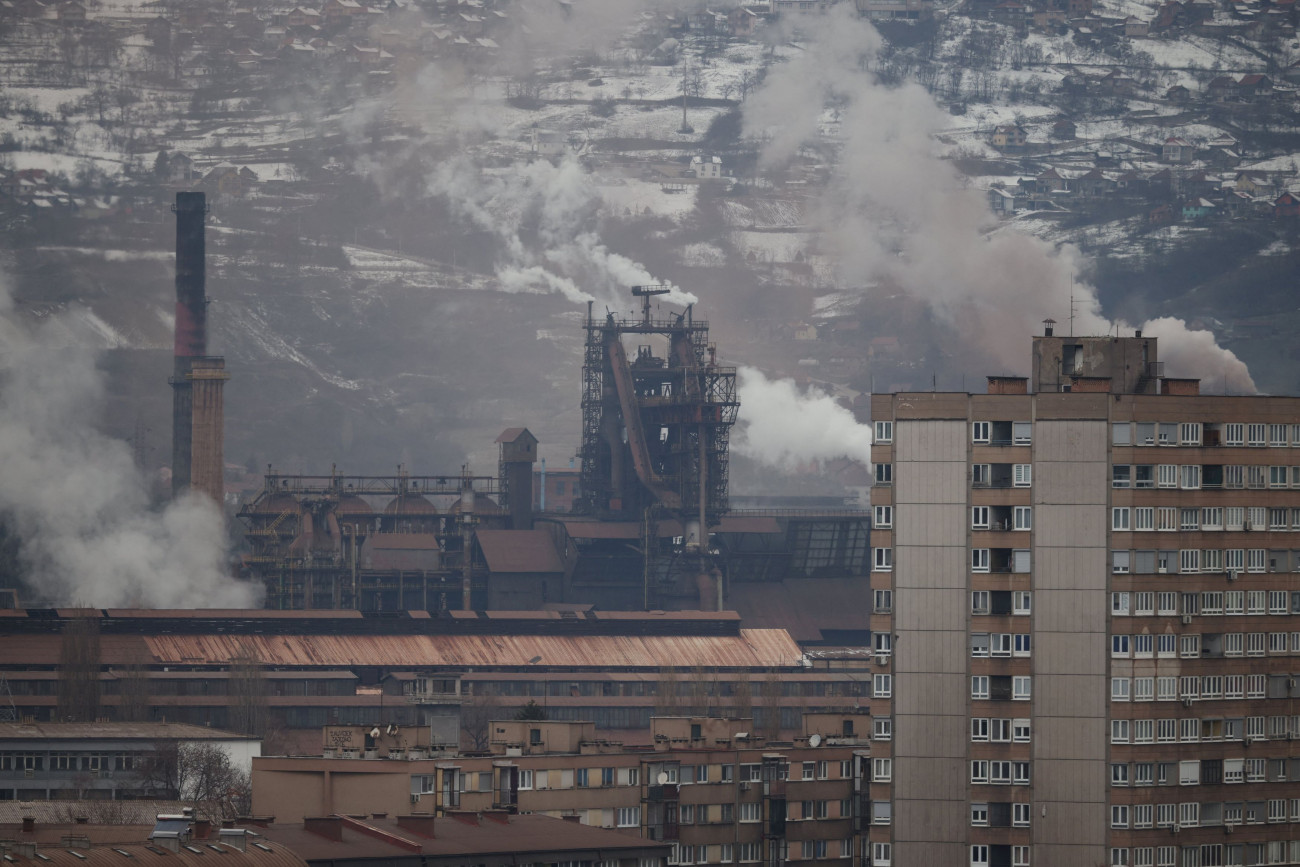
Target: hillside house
[1198,209]
[1064,129]
[545,142]
[1076,9]
[741,22]
[225,180]
[707,168]
[1220,89]
[1136,28]
[1178,94]
[335,11]
[300,17]
[1286,205]
[1009,137]
[1117,84]
[1001,201]
[1256,86]
[1253,183]
[1177,150]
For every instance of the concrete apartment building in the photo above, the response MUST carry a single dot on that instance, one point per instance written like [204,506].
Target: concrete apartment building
[713,788]
[1085,587]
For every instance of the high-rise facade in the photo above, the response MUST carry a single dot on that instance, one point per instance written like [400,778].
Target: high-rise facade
[1085,587]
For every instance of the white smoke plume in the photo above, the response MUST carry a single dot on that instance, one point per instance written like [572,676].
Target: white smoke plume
[896,212]
[545,218]
[783,427]
[75,498]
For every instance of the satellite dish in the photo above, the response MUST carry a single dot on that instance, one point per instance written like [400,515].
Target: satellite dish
[662,778]
[374,732]
[814,740]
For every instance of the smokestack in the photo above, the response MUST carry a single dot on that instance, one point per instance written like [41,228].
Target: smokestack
[198,410]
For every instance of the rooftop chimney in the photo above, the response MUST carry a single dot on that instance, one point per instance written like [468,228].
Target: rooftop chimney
[29,824]
[1047,327]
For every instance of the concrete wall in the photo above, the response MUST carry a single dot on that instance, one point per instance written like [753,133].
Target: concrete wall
[930,664]
[1070,583]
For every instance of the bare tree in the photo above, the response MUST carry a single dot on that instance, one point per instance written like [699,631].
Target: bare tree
[772,705]
[247,693]
[133,694]
[666,698]
[476,715]
[199,774]
[79,662]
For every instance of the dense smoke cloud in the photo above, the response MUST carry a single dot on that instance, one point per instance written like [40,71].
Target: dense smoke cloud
[895,211]
[75,497]
[783,427]
[545,218]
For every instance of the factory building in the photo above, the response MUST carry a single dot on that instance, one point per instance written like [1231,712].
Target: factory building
[1084,583]
[300,671]
[642,524]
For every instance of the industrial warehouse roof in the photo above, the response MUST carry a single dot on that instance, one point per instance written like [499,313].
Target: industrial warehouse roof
[519,551]
[580,529]
[812,609]
[752,648]
[382,838]
[86,731]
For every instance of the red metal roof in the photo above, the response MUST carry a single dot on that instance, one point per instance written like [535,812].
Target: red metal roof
[519,551]
[752,648]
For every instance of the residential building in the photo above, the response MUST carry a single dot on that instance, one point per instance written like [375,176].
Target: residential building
[714,788]
[1086,574]
[101,760]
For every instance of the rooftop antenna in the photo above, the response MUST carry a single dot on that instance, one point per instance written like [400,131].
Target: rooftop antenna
[1071,303]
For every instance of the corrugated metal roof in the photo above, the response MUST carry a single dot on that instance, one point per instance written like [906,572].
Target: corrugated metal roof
[509,551]
[804,606]
[114,731]
[752,648]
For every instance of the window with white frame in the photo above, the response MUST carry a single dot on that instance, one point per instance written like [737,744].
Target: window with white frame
[1119,519]
[1119,731]
[1021,688]
[882,601]
[979,602]
[1144,603]
[1022,517]
[1019,856]
[979,560]
[979,729]
[882,685]
[1189,433]
[979,517]
[1119,774]
[980,431]
[1119,562]
[979,686]
[882,770]
[1144,688]
[1119,689]
[1255,434]
[1020,730]
[882,728]
[1021,602]
[1167,476]
[884,474]
[979,771]
[979,855]
[1144,518]
[1022,433]
[1144,731]
[1022,645]
[1120,645]
[884,559]
[1022,475]
[1119,816]
[1119,602]
[884,432]
[1234,434]
[1020,815]
[882,517]
[880,854]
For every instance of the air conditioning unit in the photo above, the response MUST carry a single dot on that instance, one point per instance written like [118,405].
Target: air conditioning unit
[1187,620]
[415,799]
[744,787]
[882,659]
[1162,571]
[1232,574]
[1227,829]
[1187,702]
[28,773]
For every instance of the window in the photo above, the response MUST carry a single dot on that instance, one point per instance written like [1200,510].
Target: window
[1144,603]
[1020,773]
[1121,476]
[750,851]
[979,855]
[1119,731]
[979,602]
[980,475]
[1021,602]
[979,432]
[1020,815]
[1119,518]
[1119,602]
[1144,518]
[884,559]
[1119,816]
[884,474]
[1022,644]
[1189,433]
[1234,434]
[751,812]
[883,601]
[880,854]
[1119,689]
[882,728]
[882,517]
[1021,688]
[979,686]
[1020,731]
[630,817]
[882,685]
[1255,434]
[1022,475]
[1000,731]
[979,517]
[1167,476]
[884,432]
[1120,645]
[979,814]
[979,559]
[1023,518]
[1119,562]
[1019,856]
[979,729]
[881,770]
[1022,433]
[1121,433]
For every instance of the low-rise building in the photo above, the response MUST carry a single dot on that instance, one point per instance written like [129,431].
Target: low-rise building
[714,788]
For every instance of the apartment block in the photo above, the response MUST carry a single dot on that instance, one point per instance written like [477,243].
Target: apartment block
[1087,617]
[713,788]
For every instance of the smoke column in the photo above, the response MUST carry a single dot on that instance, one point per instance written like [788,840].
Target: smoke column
[894,211]
[75,498]
[782,427]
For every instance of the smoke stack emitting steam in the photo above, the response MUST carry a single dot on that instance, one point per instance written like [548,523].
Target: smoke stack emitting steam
[75,497]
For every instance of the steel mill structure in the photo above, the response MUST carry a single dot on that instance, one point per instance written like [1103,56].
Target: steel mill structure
[198,379]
